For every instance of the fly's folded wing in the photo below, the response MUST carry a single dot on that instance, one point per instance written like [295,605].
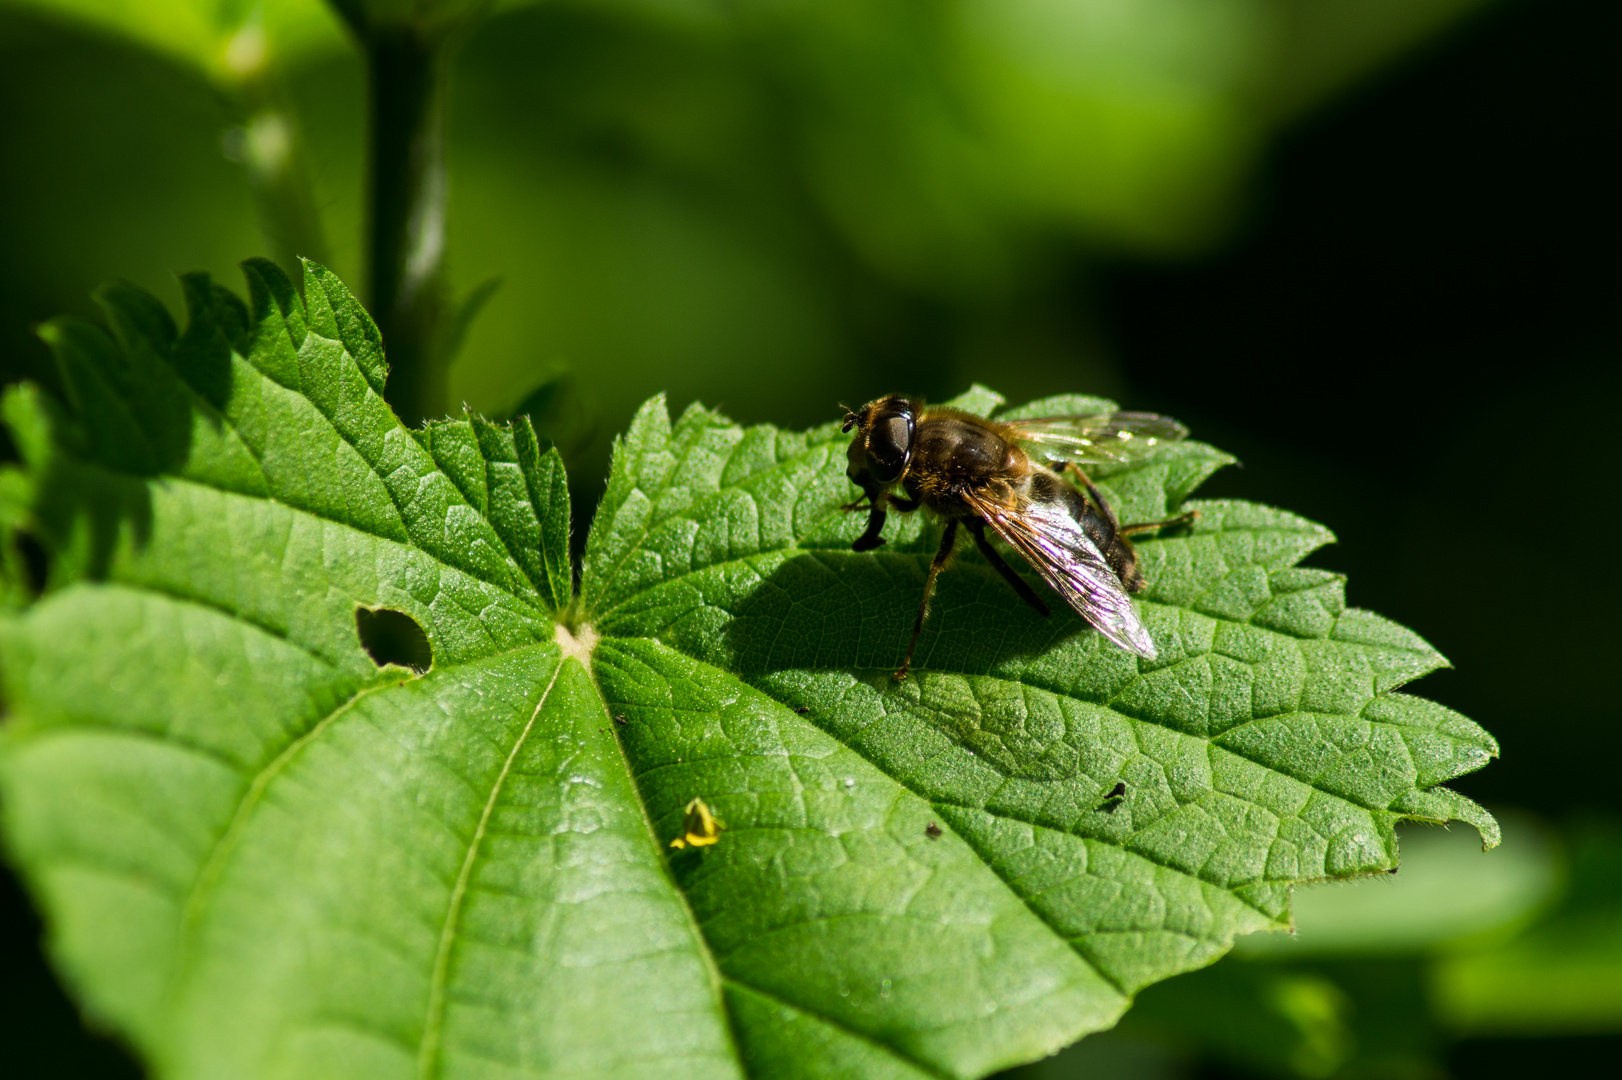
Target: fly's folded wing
[1053,543]
[1103,439]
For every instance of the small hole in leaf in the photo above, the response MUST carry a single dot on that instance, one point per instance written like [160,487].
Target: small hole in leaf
[393,637]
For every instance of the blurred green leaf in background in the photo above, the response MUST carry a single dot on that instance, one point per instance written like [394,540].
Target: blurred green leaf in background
[772,206]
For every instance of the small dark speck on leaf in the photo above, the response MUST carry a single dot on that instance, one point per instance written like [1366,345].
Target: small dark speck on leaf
[933,831]
[1113,799]
[802,709]
[619,718]
[1117,791]
[1393,870]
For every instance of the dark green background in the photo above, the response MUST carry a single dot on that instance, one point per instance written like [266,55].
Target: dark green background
[1412,337]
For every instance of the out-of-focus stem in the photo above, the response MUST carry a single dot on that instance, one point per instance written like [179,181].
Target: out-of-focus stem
[268,145]
[406,197]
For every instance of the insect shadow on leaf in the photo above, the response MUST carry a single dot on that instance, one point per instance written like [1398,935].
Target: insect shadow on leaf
[393,637]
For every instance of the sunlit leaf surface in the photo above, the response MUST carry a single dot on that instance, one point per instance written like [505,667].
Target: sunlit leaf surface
[264,849]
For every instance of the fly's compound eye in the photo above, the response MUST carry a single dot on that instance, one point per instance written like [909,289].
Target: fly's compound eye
[889,445]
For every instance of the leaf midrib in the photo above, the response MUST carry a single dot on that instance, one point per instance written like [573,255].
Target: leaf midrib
[428,1047]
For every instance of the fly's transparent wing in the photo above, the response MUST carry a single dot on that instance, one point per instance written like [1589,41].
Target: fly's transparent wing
[1106,438]
[1053,543]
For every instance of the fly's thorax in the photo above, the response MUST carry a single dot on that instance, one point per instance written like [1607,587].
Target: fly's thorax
[954,452]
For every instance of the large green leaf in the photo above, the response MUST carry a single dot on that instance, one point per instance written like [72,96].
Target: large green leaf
[261,853]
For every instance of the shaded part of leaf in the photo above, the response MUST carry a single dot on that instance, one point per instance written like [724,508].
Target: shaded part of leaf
[160,404]
[95,375]
[273,440]
[80,515]
[855,915]
[168,429]
[781,1042]
[278,327]
[335,313]
[216,326]
[137,318]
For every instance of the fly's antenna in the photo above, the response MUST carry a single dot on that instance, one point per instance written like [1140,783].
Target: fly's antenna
[851,419]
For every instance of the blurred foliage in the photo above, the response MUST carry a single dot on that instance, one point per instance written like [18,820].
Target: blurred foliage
[1563,976]
[767,206]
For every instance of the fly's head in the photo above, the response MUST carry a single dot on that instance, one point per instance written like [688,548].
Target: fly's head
[882,447]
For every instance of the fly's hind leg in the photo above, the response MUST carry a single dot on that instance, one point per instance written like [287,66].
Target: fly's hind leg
[977,529]
[948,541]
[1109,511]
[1187,518]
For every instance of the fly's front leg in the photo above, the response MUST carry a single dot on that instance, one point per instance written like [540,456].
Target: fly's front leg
[870,538]
[948,540]
[877,506]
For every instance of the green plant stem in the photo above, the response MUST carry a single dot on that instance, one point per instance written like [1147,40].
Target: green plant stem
[406,195]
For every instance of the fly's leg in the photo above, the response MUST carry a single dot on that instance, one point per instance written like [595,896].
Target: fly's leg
[1149,526]
[877,506]
[1109,512]
[870,538]
[948,541]
[977,529]
[906,506]
[1094,494]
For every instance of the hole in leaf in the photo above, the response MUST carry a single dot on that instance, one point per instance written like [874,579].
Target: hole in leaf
[393,637]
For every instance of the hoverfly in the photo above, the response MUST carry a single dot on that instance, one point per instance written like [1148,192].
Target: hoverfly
[974,473]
